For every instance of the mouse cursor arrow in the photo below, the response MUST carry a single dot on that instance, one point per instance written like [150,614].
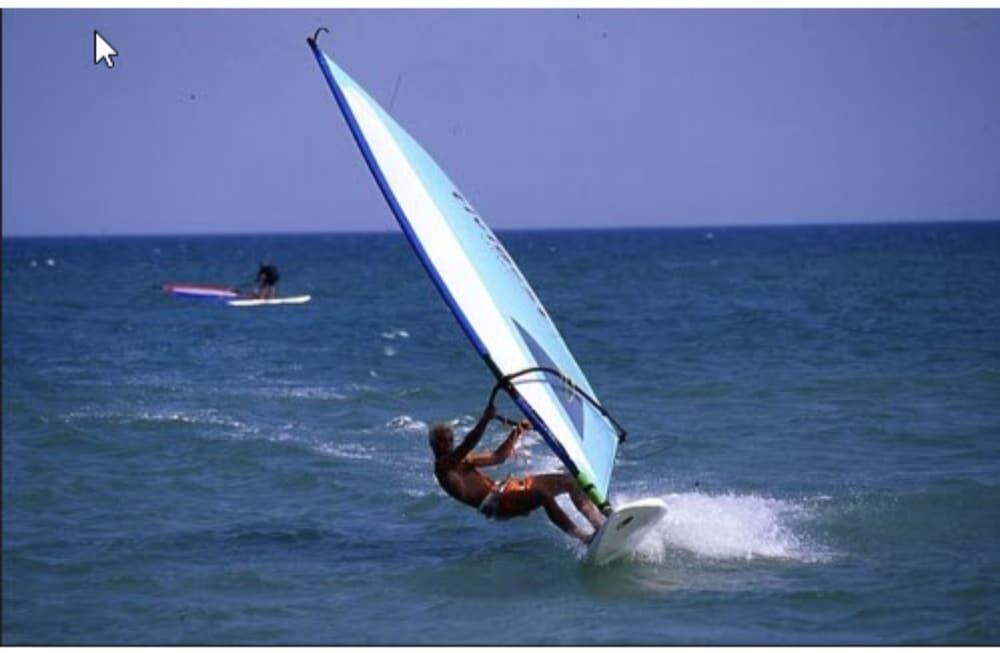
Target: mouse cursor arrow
[103,50]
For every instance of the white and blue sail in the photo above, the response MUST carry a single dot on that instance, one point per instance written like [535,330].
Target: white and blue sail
[483,287]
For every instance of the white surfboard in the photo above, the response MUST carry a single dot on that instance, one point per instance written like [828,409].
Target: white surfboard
[299,299]
[623,530]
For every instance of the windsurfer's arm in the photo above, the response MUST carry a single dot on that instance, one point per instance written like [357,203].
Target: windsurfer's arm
[504,451]
[473,437]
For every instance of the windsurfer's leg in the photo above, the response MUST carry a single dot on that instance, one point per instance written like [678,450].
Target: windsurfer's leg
[521,497]
[586,506]
[562,520]
[552,485]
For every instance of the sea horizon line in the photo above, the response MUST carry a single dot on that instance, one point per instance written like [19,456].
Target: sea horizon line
[515,230]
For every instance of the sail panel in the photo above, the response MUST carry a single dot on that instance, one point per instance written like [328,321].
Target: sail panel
[481,284]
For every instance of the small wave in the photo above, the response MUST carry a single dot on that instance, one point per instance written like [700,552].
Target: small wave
[407,424]
[289,435]
[389,351]
[190,418]
[313,392]
[276,535]
[316,392]
[731,527]
[392,334]
[345,451]
[206,418]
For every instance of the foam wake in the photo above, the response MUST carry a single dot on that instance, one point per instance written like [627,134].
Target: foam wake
[732,527]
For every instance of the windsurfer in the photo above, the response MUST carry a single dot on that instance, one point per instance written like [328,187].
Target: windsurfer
[457,471]
[267,280]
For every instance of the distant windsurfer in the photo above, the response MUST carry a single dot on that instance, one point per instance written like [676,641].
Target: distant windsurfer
[267,280]
[457,471]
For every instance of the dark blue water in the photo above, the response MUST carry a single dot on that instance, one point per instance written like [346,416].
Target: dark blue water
[819,407]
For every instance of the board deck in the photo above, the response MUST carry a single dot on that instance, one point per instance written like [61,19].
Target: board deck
[278,301]
[623,530]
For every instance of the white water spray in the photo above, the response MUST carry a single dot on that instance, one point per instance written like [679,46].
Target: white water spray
[731,527]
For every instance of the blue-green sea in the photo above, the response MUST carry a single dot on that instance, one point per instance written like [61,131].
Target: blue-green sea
[818,406]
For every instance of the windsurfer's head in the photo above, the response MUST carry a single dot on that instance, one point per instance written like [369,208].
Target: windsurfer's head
[441,439]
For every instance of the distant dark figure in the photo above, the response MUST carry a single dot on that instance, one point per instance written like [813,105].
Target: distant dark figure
[267,280]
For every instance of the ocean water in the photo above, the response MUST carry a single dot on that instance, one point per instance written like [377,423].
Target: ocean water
[818,406]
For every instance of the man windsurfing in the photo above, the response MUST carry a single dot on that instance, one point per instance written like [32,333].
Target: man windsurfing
[457,470]
[267,281]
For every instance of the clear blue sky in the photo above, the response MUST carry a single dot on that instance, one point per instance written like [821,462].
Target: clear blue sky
[220,121]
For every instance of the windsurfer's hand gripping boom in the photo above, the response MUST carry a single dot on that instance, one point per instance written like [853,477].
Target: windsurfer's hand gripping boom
[504,451]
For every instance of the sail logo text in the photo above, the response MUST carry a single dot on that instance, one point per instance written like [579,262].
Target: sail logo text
[500,251]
